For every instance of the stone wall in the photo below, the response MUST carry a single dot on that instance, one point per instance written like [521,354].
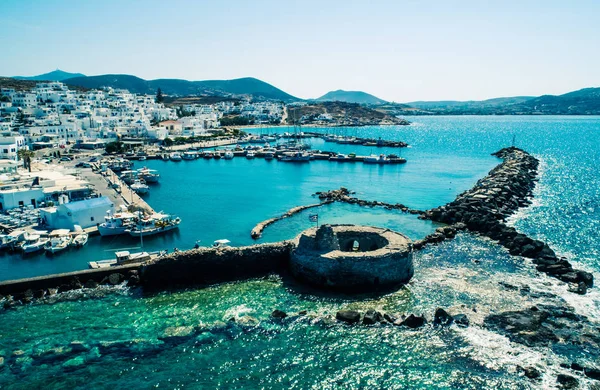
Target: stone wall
[211,265]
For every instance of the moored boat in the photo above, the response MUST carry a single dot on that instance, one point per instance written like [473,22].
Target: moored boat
[154,224]
[80,237]
[148,175]
[189,155]
[139,187]
[33,243]
[228,155]
[250,154]
[374,159]
[117,223]
[59,240]
[175,156]
[299,157]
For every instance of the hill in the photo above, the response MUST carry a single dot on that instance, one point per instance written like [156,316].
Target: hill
[350,97]
[341,113]
[469,104]
[57,75]
[26,85]
[249,86]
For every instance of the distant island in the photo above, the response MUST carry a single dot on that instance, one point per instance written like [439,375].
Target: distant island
[581,102]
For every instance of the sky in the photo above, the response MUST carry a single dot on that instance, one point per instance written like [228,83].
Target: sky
[397,50]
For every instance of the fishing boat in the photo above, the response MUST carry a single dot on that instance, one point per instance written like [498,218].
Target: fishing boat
[59,240]
[375,159]
[154,224]
[250,154]
[175,156]
[339,158]
[128,177]
[221,243]
[125,257]
[33,243]
[189,155]
[80,238]
[8,240]
[228,155]
[148,175]
[115,224]
[165,157]
[139,187]
[269,156]
[299,157]
[217,155]
[208,155]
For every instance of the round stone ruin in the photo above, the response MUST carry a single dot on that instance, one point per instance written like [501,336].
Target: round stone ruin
[352,258]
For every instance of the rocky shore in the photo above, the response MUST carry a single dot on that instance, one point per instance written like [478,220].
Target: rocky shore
[485,207]
[343,195]
[258,229]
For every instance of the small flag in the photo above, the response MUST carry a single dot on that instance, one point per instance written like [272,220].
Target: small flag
[313,217]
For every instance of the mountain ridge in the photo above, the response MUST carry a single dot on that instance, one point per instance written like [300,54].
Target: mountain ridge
[55,75]
[359,97]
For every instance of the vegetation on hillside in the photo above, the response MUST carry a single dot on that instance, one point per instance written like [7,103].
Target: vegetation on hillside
[343,114]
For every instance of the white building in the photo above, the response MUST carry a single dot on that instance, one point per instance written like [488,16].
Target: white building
[9,146]
[85,213]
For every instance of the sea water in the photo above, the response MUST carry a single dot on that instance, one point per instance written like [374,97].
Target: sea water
[224,199]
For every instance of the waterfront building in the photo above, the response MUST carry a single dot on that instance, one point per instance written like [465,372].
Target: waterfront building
[85,213]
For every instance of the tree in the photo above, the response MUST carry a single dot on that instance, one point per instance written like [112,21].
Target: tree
[159,96]
[168,142]
[26,155]
[114,147]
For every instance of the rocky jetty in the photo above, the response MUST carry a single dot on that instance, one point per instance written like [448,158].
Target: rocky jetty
[343,195]
[485,208]
[258,229]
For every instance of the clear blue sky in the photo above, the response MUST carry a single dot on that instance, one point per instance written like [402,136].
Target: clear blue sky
[397,50]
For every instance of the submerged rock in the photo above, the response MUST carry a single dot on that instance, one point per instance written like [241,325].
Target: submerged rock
[278,314]
[461,320]
[530,372]
[177,333]
[567,381]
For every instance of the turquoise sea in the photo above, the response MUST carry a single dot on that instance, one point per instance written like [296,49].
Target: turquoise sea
[120,328]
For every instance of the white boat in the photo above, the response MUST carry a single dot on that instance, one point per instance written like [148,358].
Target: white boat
[375,159]
[7,241]
[296,157]
[250,155]
[148,175]
[339,157]
[189,155]
[33,243]
[128,176]
[154,224]
[59,240]
[125,257]
[80,238]
[139,187]
[221,243]
[175,156]
[115,224]
[228,155]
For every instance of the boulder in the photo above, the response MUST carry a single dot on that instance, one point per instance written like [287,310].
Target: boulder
[278,314]
[567,381]
[442,318]
[531,372]
[413,321]
[348,316]
[592,373]
[586,277]
[372,317]
[115,279]
[461,320]
[91,284]
[389,318]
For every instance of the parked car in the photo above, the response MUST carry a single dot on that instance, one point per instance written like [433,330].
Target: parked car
[93,159]
[83,165]
[65,158]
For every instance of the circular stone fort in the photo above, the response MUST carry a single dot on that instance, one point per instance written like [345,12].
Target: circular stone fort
[350,257]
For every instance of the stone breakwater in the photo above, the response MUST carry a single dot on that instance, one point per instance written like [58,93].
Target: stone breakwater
[485,207]
[343,195]
[258,229]
[215,265]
